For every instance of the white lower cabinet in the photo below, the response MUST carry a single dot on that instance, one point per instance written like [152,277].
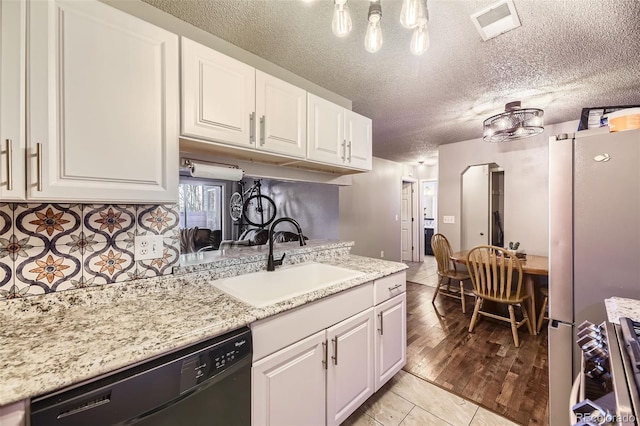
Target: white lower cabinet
[288,387]
[391,338]
[316,364]
[350,370]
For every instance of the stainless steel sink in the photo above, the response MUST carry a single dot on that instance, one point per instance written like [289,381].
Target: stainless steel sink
[264,288]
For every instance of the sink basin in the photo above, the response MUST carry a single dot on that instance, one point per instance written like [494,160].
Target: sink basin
[265,288]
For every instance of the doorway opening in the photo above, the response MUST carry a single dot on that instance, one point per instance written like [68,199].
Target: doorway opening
[429,209]
[408,225]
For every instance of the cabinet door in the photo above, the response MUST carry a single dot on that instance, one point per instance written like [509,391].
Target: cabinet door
[358,135]
[12,99]
[391,338]
[281,110]
[350,373]
[325,131]
[103,105]
[288,387]
[218,96]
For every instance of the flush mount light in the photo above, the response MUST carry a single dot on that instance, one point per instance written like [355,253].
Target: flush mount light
[514,123]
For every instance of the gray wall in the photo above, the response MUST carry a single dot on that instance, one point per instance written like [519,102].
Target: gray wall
[370,210]
[313,205]
[526,185]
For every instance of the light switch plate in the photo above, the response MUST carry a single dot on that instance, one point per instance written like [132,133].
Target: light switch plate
[148,247]
[448,219]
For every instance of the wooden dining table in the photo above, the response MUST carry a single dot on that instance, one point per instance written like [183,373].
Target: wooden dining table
[533,266]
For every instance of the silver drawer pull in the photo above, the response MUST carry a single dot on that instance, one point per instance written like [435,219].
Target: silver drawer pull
[39,168]
[335,350]
[252,128]
[9,164]
[349,146]
[381,329]
[262,128]
[395,287]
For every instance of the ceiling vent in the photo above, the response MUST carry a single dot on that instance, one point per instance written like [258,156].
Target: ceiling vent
[496,19]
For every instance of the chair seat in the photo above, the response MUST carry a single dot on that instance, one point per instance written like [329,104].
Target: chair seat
[454,275]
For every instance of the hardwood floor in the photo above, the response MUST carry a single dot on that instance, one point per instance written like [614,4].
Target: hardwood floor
[484,366]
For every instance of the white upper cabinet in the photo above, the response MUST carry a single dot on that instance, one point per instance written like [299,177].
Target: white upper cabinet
[12,99]
[227,101]
[281,110]
[325,135]
[218,96]
[337,135]
[358,135]
[103,105]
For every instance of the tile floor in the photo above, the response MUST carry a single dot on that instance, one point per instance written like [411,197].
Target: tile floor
[408,400]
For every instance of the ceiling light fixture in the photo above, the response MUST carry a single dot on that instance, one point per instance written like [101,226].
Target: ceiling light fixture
[341,24]
[373,37]
[414,15]
[514,123]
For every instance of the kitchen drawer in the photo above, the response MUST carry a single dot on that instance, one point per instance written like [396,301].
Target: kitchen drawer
[387,287]
[276,332]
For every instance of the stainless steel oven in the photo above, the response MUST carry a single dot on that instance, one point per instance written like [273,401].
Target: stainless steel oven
[605,392]
[205,384]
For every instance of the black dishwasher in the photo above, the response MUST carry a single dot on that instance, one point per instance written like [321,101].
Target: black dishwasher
[208,383]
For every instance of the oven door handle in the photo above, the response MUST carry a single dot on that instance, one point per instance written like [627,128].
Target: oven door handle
[574,398]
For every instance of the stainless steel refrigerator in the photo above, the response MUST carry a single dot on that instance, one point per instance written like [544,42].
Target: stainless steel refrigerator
[594,242]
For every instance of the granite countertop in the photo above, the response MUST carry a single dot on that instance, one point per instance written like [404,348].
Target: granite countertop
[55,340]
[621,307]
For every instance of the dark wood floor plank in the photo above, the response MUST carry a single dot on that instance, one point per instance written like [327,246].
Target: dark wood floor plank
[484,366]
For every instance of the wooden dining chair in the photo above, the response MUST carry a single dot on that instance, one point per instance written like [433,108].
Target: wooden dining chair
[497,276]
[543,310]
[447,271]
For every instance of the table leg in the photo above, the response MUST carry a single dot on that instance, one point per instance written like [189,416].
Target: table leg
[529,280]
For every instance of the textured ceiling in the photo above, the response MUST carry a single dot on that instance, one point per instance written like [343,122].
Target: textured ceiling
[568,54]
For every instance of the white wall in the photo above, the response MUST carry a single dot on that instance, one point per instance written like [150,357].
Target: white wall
[370,210]
[526,185]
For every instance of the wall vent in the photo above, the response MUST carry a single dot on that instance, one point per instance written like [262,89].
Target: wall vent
[496,19]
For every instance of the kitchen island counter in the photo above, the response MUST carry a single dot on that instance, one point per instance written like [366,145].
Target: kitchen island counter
[55,340]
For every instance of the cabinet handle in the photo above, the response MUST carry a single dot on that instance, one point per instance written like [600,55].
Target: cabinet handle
[325,354]
[349,146]
[9,164]
[335,350]
[344,149]
[381,329]
[39,168]
[262,127]
[252,128]
[395,287]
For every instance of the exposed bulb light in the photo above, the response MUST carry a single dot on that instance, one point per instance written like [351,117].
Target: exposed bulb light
[420,38]
[412,11]
[514,123]
[373,37]
[341,24]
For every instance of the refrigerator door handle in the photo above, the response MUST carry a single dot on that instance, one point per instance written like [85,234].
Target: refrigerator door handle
[574,398]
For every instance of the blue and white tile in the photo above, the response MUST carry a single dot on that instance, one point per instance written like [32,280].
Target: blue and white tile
[108,263]
[6,221]
[157,219]
[8,290]
[47,224]
[108,221]
[47,270]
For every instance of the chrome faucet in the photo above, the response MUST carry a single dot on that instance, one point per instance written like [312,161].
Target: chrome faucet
[271,263]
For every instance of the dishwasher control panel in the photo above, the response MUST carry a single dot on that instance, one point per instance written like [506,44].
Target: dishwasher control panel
[213,361]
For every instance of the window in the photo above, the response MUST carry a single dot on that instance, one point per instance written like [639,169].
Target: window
[201,204]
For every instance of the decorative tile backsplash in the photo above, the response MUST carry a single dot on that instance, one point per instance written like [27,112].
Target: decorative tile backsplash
[54,247]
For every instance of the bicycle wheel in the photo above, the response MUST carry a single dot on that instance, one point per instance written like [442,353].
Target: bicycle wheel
[259,210]
[235,206]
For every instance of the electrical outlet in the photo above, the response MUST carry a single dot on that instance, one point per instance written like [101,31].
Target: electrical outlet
[448,219]
[148,247]
[382,253]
